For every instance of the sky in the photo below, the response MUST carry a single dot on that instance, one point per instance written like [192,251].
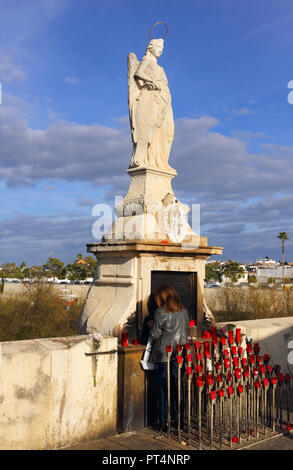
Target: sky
[65,142]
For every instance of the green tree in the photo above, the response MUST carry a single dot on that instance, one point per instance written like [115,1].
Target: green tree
[283,236]
[212,272]
[233,270]
[54,268]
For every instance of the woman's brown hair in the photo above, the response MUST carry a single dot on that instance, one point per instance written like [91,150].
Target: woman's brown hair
[167,297]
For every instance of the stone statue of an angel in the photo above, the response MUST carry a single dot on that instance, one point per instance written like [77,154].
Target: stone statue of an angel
[150,111]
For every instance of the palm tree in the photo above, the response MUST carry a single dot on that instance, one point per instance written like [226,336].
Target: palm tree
[283,236]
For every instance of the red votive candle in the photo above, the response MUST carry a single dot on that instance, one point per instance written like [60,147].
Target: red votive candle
[249,347]
[257,384]
[199,381]
[227,363]
[230,391]
[191,323]
[233,350]
[124,338]
[221,393]
[240,388]
[198,369]
[265,383]
[231,337]
[280,378]
[237,373]
[238,336]
[235,361]
[179,359]
[188,357]
[168,349]
[188,371]
[212,395]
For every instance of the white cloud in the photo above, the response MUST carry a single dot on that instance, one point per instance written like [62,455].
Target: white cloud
[71,80]
[9,71]
[246,199]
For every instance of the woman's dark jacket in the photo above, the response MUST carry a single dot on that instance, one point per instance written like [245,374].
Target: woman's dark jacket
[169,329]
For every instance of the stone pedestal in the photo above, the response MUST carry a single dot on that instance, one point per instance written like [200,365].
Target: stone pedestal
[118,298]
[131,389]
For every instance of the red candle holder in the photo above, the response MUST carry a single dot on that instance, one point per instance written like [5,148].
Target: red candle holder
[227,363]
[212,395]
[230,391]
[188,371]
[273,381]
[220,393]
[280,379]
[199,382]
[240,388]
[198,369]
[265,383]
[124,338]
[235,361]
[238,336]
[223,341]
[256,384]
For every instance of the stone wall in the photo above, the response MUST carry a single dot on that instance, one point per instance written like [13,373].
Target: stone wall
[47,394]
[275,336]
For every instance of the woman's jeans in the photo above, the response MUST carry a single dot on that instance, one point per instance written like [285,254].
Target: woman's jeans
[162,387]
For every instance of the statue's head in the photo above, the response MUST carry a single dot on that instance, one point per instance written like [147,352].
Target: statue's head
[156,47]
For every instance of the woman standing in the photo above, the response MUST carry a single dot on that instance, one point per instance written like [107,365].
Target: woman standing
[169,329]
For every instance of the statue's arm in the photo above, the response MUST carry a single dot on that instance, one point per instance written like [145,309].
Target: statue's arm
[144,73]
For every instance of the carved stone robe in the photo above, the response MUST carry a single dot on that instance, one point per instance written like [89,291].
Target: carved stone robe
[151,115]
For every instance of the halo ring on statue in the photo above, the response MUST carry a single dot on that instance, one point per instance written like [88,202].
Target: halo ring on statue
[159,22]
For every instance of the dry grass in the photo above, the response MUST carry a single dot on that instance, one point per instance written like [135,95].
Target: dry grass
[37,312]
[234,304]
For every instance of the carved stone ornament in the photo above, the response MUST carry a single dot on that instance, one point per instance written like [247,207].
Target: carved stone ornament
[175,224]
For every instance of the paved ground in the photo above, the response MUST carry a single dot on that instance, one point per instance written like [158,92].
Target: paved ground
[147,439]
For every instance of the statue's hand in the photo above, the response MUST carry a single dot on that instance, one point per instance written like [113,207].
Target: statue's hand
[150,86]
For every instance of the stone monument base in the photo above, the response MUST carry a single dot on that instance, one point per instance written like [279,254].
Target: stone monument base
[126,276]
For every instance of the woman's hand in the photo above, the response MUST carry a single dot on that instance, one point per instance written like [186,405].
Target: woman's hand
[150,323]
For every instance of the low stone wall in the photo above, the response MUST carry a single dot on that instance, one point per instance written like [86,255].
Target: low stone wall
[47,394]
[275,336]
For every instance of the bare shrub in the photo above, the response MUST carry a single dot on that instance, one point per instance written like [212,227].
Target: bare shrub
[37,312]
[234,304]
